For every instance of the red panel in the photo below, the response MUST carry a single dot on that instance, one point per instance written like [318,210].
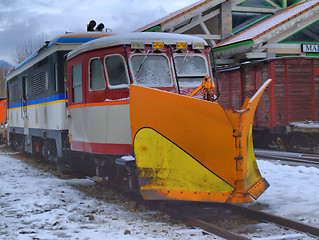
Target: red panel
[102,148]
[286,94]
[230,89]
[300,89]
[313,101]
[316,87]
[272,101]
[3,111]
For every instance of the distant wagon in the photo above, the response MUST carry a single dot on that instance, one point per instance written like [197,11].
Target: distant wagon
[289,107]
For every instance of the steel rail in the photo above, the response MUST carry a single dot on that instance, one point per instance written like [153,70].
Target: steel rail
[288,156]
[262,216]
[242,211]
[209,227]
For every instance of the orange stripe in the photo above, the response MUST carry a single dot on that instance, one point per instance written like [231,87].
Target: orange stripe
[99,104]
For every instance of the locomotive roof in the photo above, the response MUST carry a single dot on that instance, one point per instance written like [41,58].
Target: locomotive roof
[65,42]
[128,38]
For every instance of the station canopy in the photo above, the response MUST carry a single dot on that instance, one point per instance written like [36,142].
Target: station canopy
[243,30]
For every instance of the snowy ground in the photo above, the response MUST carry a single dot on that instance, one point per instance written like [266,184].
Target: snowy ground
[37,205]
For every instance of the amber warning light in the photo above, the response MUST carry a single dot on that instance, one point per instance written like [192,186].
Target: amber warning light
[181,45]
[158,45]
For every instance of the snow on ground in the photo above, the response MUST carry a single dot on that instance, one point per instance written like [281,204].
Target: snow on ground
[293,191]
[36,205]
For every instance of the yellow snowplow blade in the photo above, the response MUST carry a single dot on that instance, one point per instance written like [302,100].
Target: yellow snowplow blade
[194,150]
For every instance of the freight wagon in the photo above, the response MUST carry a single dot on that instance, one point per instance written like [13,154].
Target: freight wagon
[287,113]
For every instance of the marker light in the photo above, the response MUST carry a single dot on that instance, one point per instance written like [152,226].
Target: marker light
[137,45]
[181,45]
[198,45]
[158,45]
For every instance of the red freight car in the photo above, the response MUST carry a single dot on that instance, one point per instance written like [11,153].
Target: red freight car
[291,100]
[3,120]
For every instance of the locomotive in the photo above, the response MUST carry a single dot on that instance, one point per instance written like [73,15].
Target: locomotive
[37,98]
[140,109]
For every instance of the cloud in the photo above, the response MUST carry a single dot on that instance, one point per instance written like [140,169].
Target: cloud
[20,19]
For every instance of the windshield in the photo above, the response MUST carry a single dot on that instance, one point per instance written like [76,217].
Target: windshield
[151,70]
[190,69]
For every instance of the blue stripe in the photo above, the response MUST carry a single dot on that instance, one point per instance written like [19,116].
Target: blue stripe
[73,40]
[40,101]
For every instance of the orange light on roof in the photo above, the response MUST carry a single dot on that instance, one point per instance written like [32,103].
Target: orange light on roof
[181,45]
[158,45]
[198,45]
[137,45]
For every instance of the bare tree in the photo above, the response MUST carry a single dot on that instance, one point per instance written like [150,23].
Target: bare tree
[27,47]
[4,69]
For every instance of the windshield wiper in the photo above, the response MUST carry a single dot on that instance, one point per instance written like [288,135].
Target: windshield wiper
[182,62]
[139,68]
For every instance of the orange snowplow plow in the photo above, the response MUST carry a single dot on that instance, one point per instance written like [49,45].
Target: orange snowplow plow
[194,150]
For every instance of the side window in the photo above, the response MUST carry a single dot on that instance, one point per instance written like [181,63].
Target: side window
[116,72]
[55,74]
[96,79]
[77,83]
[46,81]
[24,87]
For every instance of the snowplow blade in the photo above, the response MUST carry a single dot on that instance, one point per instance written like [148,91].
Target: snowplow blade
[193,150]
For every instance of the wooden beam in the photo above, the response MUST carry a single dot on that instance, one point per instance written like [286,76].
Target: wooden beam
[198,21]
[208,36]
[187,15]
[253,9]
[256,55]
[225,61]
[205,29]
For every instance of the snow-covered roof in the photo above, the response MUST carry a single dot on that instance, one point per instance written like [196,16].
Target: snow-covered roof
[65,42]
[174,15]
[77,37]
[271,23]
[128,38]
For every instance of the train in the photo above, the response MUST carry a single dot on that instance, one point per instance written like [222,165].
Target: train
[136,109]
[287,116]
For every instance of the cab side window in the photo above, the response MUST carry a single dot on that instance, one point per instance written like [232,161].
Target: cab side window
[77,83]
[96,79]
[116,72]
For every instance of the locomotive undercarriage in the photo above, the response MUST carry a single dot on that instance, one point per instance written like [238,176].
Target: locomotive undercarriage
[112,169]
[116,170]
[51,146]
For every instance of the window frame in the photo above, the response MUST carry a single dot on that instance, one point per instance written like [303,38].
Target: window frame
[170,67]
[120,86]
[89,77]
[203,56]
[72,84]
[193,54]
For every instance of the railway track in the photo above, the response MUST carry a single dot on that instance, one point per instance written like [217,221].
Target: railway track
[289,157]
[225,220]
[229,220]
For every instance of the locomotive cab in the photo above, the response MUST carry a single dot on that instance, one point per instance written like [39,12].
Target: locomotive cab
[130,94]
[100,74]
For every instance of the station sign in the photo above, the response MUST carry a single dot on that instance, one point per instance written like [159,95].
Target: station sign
[310,48]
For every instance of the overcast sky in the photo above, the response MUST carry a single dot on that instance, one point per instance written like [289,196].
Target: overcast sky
[21,20]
